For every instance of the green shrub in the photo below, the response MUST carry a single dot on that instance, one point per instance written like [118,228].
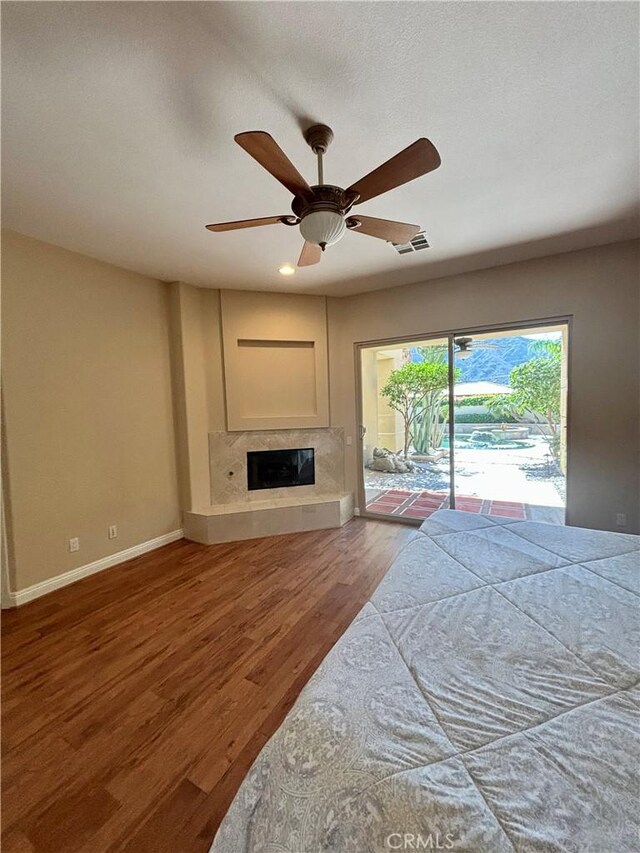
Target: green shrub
[481,418]
[478,400]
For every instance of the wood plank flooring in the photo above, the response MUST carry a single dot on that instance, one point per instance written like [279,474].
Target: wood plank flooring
[134,702]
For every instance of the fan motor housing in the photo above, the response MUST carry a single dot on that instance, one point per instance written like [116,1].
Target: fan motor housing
[325,197]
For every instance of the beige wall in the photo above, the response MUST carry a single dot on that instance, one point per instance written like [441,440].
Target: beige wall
[275,360]
[87,395]
[599,287]
[189,332]
[384,425]
[390,431]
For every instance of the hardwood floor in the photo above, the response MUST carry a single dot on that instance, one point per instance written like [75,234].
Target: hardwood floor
[134,702]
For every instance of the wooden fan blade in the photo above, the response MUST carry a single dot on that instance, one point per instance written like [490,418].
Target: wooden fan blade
[263,148]
[385,229]
[247,223]
[310,254]
[416,160]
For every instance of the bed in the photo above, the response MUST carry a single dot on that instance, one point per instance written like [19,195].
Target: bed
[485,699]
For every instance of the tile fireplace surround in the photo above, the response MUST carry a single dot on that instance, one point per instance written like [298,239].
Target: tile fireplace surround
[228,452]
[237,513]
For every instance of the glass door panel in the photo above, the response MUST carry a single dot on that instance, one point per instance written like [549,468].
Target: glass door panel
[510,403]
[404,429]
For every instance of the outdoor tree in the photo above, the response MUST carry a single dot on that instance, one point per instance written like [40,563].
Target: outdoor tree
[408,387]
[428,430]
[536,390]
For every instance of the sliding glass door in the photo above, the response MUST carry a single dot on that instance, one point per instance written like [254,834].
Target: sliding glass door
[404,428]
[475,421]
[509,419]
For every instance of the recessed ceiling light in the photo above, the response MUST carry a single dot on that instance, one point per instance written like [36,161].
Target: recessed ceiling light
[286,269]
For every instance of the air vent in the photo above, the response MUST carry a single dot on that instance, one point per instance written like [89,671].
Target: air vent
[419,242]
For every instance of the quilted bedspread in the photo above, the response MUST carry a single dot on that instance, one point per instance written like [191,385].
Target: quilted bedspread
[485,699]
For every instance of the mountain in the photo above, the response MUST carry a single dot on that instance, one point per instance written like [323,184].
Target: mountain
[493,364]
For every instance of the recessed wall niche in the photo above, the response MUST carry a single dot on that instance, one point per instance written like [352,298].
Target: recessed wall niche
[275,360]
[279,379]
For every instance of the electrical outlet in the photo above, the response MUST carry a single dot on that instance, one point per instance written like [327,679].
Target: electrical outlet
[113,531]
[74,544]
[621,519]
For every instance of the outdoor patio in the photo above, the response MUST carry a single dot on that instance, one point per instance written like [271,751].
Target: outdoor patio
[521,482]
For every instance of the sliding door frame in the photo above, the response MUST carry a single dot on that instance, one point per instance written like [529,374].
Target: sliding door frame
[452,427]
[450,335]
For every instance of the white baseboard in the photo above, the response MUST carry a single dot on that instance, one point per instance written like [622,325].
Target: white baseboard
[21,596]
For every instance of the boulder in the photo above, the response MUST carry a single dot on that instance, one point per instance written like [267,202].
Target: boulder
[382,463]
[388,462]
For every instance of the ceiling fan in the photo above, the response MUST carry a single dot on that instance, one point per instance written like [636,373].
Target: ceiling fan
[323,211]
[465,346]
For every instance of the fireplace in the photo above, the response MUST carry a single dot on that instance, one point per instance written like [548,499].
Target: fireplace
[273,469]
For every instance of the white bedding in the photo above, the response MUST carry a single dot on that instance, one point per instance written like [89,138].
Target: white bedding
[485,699]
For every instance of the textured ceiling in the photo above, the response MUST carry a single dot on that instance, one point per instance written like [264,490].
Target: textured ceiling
[118,124]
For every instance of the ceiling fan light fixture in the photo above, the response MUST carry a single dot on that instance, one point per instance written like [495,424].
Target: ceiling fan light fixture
[321,210]
[323,227]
